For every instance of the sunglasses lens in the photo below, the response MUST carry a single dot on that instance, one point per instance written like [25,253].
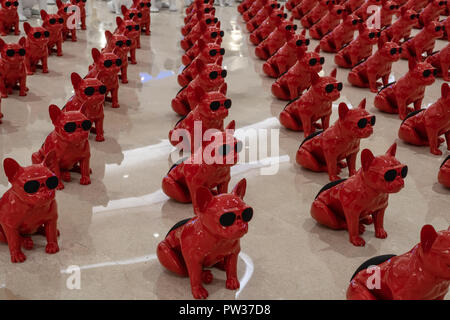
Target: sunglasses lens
[373,120]
[222,33]
[362,123]
[322,60]
[294,27]
[390,175]
[10,53]
[46,34]
[61,20]
[65,9]
[31,186]
[212,53]
[214,105]
[52,21]
[102,89]
[400,50]
[329,88]
[22,52]
[404,172]
[142,5]
[339,11]
[224,73]
[227,219]
[426,73]
[8,4]
[208,21]
[227,104]
[288,27]
[247,214]
[107,63]
[299,42]
[70,127]
[86,125]
[238,147]
[136,27]
[392,7]
[354,22]
[37,35]
[413,16]
[149,4]
[119,43]
[213,75]
[371,35]
[437,28]
[222,51]
[339,86]
[128,43]
[312,62]
[214,34]
[52,182]
[139,15]
[224,150]
[131,15]
[307,42]
[118,62]
[393,51]
[129,28]
[89,91]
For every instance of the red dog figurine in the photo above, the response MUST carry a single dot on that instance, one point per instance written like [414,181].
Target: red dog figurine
[13,71]
[203,7]
[63,11]
[9,19]
[36,46]
[441,61]
[253,10]
[324,151]
[211,239]
[362,198]
[267,26]
[70,142]
[210,35]
[320,10]
[416,5]
[291,84]
[364,10]
[209,53]
[282,34]
[351,5]
[242,7]
[291,4]
[262,15]
[326,24]
[401,28]
[444,173]
[286,56]
[195,17]
[387,11]
[119,45]
[366,74]
[29,207]
[211,77]
[144,7]
[359,49]
[423,41]
[89,99]
[303,8]
[420,274]
[314,105]
[129,29]
[341,35]
[210,114]
[425,126]
[432,12]
[205,21]
[133,14]
[183,179]
[410,88]
[81,4]
[53,23]
[106,68]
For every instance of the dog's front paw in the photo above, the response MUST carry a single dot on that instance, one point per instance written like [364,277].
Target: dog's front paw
[199,292]
[52,247]
[232,284]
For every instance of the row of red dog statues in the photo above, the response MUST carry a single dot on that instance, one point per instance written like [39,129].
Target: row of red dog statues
[31,52]
[29,206]
[361,199]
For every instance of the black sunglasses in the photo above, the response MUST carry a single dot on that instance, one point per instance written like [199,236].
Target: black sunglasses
[275,5]
[313,61]
[70,127]
[213,75]
[213,52]
[32,186]
[442,3]
[214,34]
[393,7]
[9,4]
[89,91]
[394,50]
[209,20]
[11,52]
[362,123]
[330,87]
[225,148]
[215,105]
[38,34]
[148,4]
[439,28]
[339,11]
[53,20]
[414,16]
[374,34]
[77,1]
[120,43]
[300,42]
[355,21]
[390,175]
[289,27]
[228,218]
[130,28]
[328,2]
[428,73]
[282,15]
[109,63]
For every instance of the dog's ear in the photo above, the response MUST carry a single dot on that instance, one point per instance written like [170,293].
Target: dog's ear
[59,4]
[218,24]
[317,49]
[76,80]
[445,90]
[403,10]
[11,168]
[392,150]
[315,78]
[361,27]
[366,159]
[427,237]
[26,27]
[22,41]
[343,110]
[51,161]
[44,14]
[362,104]
[55,113]
[333,73]
[231,126]
[95,54]
[2,43]
[124,10]
[239,189]
[412,62]
[303,32]
[119,21]
[203,197]
[108,35]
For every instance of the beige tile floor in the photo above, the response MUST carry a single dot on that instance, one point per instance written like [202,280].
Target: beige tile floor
[112,227]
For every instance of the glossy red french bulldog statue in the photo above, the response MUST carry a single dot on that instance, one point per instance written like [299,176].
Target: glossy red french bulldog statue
[441,61]
[203,7]
[119,45]
[419,274]
[70,142]
[303,8]
[324,151]
[209,53]
[423,42]
[9,18]
[432,12]
[267,26]
[286,56]
[320,10]
[284,32]
[53,23]
[210,77]
[210,239]
[303,113]
[395,97]
[195,17]
[184,178]
[29,207]
[401,28]
[341,35]
[253,10]
[362,198]
[262,15]
[106,68]
[198,30]
[89,99]
[291,84]
[36,46]
[12,68]
[242,7]
[209,114]
[387,11]
[378,65]
[211,35]
[144,7]
[326,24]
[425,126]
[133,14]
[81,4]
[359,49]
[65,13]
[444,173]
[131,30]
[364,10]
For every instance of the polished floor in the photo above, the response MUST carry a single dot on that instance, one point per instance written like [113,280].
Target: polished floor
[110,229]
